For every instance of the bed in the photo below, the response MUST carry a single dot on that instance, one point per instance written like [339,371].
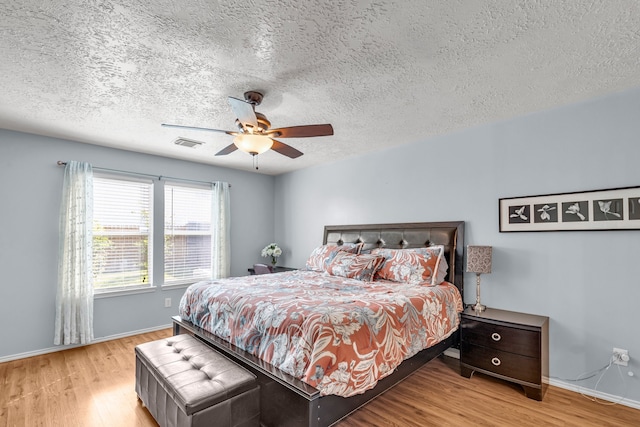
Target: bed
[327,387]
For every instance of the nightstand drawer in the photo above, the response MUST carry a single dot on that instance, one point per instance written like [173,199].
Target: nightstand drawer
[507,344]
[513,340]
[514,366]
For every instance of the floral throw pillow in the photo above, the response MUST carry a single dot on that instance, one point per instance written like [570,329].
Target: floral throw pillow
[443,269]
[352,266]
[413,266]
[322,255]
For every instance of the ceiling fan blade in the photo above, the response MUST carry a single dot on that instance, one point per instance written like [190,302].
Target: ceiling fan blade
[285,149]
[302,131]
[228,132]
[244,112]
[226,150]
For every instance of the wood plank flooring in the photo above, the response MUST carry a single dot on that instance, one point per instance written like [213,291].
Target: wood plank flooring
[94,386]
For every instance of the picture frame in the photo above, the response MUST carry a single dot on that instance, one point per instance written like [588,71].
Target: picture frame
[610,209]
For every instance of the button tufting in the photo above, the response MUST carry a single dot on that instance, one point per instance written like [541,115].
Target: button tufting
[206,380]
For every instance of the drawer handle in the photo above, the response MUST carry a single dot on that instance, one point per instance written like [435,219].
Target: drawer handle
[496,336]
[496,361]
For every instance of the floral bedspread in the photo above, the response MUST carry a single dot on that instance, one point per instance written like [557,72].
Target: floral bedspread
[339,335]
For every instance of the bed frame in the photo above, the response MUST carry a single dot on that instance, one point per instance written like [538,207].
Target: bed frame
[287,401]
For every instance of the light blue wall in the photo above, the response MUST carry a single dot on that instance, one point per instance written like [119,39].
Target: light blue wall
[30,193]
[588,283]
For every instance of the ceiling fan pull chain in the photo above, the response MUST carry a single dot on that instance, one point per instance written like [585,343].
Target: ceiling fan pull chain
[255,160]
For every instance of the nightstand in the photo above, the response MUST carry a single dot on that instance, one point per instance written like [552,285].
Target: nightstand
[276,269]
[507,345]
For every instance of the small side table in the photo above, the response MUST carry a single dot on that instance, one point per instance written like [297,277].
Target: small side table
[276,269]
[508,345]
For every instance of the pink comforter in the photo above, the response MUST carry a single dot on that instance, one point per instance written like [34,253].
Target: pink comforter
[339,335]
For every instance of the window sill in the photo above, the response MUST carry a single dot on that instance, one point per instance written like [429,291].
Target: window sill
[121,292]
[177,285]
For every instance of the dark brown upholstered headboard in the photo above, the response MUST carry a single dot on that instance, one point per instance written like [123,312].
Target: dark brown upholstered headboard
[408,235]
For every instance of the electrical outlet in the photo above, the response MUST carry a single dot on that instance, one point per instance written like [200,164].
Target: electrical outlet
[620,356]
[167,302]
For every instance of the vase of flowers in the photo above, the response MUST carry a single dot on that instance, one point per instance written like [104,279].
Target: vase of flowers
[272,250]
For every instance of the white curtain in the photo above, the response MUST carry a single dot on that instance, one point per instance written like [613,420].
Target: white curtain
[74,298]
[220,233]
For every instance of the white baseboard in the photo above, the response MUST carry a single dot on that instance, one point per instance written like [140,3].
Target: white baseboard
[455,353]
[594,393]
[66,347]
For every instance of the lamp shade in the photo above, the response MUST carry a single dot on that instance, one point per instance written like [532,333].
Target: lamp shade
[479,259]
[253,144]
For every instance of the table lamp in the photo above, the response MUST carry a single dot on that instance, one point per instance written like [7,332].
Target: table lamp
[478,261]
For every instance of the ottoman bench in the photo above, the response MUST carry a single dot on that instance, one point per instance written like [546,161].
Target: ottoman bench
[183,382]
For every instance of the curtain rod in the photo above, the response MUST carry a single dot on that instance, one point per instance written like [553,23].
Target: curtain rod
[158,177]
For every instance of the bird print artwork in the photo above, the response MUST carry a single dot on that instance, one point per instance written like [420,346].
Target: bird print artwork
[634,208]
[605,208]
[544,212]
[520,213]
[574,209]
[616,209]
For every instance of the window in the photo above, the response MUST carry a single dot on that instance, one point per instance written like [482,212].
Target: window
[122,233]
[187,234]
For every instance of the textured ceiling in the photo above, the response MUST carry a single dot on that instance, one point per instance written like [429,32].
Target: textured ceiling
[381,72]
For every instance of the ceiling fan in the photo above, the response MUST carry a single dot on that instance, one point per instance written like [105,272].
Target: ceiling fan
[255,135]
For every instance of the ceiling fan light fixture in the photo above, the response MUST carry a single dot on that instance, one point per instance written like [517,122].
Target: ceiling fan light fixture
[255,133]
[253,144]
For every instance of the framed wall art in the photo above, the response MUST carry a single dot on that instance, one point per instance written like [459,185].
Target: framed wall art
[613,209]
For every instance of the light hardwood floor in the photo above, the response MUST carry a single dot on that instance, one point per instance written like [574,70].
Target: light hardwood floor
[94,386]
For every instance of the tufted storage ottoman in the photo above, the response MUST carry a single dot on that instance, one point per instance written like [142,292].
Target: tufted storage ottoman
[185,383]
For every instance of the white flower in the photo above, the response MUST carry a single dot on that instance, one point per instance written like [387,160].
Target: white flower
[271,250]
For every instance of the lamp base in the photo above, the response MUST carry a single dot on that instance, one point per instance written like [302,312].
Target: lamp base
[479,307]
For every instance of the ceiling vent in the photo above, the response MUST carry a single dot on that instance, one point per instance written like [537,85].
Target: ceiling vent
[187,142]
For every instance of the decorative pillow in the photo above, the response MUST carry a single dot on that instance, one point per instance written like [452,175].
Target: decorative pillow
[352,266]
[443,266]
[443,269]
[413,266]
[322,255]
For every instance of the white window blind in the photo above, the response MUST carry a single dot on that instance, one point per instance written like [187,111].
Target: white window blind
[122,233]
[187,234]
